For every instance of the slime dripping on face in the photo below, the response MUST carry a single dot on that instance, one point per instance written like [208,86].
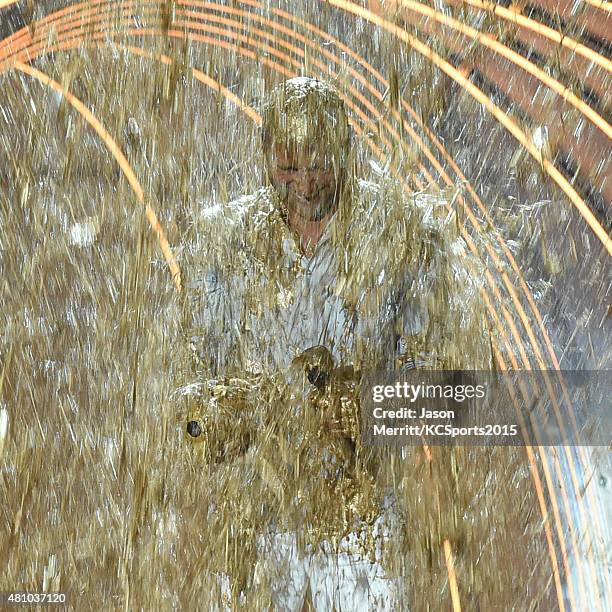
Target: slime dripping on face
[305,180]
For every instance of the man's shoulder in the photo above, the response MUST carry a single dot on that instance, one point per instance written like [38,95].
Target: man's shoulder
[389,187]
[386,201]
[237,210]
[368,188]
[229,225]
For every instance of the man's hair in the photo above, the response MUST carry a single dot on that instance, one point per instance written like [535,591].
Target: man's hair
[305,112]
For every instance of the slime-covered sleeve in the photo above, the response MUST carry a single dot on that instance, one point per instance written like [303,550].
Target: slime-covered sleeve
[442,320]
[216,289]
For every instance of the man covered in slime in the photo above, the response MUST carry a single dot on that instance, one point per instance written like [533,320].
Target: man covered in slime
[295,289]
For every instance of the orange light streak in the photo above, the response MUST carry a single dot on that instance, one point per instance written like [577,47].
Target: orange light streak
[115,150]
[432,160]
[173,33]
[452,576]
[532,462]
[494,110]
[514,16]
[492,43]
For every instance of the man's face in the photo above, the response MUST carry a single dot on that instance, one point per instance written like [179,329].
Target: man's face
[305,180]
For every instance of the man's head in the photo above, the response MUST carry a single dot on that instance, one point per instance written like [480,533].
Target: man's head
[306,140]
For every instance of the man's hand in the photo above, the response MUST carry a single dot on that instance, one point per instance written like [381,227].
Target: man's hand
[334,393]
[225,421]
[318,364]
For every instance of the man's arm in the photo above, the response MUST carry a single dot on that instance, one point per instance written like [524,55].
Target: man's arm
[214,310]
[214,418]
[221,419]
[214,257]
[442,321]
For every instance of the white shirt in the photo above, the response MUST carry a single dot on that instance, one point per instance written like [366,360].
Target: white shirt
[257,302]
